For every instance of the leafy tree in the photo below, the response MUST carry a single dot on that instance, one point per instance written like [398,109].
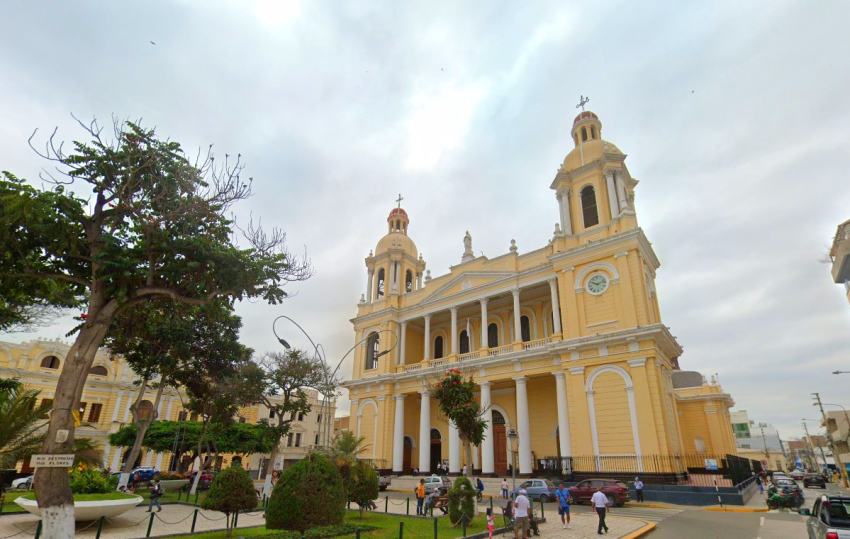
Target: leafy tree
[362,484]
[456,397]
[284,377]
[309,493]
[346,445]
[230,492]
[154,223]
[461,500]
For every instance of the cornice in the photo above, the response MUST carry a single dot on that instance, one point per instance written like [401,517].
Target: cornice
[635,234]
[606,158]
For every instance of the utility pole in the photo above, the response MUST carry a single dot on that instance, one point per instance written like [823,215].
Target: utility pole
[766,450]
[812,448]
[841,470]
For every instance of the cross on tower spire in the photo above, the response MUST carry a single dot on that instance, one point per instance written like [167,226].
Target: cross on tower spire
[582,102]
[400,198]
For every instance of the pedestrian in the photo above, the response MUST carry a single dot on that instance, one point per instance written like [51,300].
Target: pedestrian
[156,493]
[420,498]
[759,484]
[521,506]
[415,472]
[479,486]
[639,489]
[563,496]
[599,503]
[510,469]
[463,470]
[491,522]
[505,488]
[137,478]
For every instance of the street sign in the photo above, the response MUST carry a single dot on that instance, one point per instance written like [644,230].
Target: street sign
[710,464]
[52,461]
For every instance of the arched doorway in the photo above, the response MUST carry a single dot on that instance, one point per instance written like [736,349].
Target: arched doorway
[436,449]
[408,451]
[500,444]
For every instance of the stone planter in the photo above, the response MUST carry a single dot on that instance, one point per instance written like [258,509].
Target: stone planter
[170,485]
[84,511]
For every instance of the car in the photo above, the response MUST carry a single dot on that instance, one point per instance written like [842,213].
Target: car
[537,489]
[23,482]
[146,473]
[787,485]
[829,518]
[616,491]
[384,481]
[437,483]
[204,482]
[798,474]
[814,480]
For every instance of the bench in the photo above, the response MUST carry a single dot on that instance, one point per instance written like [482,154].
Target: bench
[441,504]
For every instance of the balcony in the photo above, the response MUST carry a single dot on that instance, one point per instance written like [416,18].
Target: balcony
[840,254]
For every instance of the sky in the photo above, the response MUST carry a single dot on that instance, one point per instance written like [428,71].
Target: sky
[735,117]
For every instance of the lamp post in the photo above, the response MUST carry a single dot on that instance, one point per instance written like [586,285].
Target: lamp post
[840,372]
[514,439]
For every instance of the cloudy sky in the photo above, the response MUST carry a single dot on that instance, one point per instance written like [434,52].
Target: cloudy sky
[735,117]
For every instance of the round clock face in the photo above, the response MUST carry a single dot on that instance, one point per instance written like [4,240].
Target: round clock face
[597,284]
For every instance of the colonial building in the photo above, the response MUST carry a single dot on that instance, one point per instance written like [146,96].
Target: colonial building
[566,341]
[110,390]
[840,256]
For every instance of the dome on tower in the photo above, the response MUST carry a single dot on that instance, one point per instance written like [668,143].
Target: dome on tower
[397,238]
[589,146]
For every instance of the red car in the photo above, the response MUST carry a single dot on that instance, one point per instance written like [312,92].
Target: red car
[616,492]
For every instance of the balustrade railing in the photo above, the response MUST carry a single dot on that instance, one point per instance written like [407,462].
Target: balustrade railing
[500,350]
[539,343]
[414,367]
[467,357]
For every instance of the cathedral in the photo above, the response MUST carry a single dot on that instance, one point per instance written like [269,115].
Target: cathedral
[576,370]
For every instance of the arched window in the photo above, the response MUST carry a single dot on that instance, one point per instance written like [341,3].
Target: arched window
[435,434]
[408,281]
[438,347]
[464,342]
[498,418]
[592,132]
[50,362]
[525,328]
[372,345]
[493,336]
[99,370]
[588,207]
[379,286]
[583,134]
[144,409]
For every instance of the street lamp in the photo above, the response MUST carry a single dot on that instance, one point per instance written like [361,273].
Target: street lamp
[514,439]
[840,372]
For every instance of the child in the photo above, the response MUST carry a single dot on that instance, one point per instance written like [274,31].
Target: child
[490,521]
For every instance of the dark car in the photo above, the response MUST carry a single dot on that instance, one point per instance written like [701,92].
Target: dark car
[787,485]
[814,480]
[616,491]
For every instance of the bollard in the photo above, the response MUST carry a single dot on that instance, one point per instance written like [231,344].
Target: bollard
[236,520]
[38,530]
[463,518]
[401,530]
[387,505]
[194,520]
[491,504]
[407,510]
[542,512]
[435,527]
[197,494]
[99,527]
[357,533]
[150,525]
[179,494]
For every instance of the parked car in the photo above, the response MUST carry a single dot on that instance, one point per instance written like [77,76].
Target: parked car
[384,481]
[204,483]
[616,491]
[798,474]
[436,483]
[787,485]
[23,482]
[814,480]
[146,473]
[538,489]
[829,518]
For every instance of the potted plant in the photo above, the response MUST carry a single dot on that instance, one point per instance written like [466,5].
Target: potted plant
[172,481]
[94,496]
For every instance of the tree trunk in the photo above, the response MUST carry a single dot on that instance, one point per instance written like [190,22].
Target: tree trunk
[51,484]
[467,451]
[267,485]
[201,460]
[142,426]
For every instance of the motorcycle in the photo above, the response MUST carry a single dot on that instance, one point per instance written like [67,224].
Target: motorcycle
[781,499]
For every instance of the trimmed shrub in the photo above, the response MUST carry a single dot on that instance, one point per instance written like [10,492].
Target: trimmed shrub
[231,491]
[362,484]
[461,500]
[88,481]
[308,494]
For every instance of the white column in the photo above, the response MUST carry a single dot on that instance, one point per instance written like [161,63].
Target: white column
[621,191]
[483,323]
[168,410]
[425,433]
[117,406]
[612,195]
[455,338]
[418,280]
[556,307]
[149,459]
[369,280]
[116,459]
[487,453]
[106,449]
[427,337]
[401,343]
[566,222]
[158,464]
[517,315]
[563,414]
[523,426]
[398,434]
[454,449]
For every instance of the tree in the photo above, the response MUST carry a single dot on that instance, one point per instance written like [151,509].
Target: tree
[230,492]
[285,375]
[346,445]
[154,224]
[362,485]
[172,341]
[456,397]
[461,500]
[309,493]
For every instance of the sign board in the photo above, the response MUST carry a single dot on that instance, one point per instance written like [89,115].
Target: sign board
[710,464]
[52,461]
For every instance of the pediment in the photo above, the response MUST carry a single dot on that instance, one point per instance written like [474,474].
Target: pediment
[468,280]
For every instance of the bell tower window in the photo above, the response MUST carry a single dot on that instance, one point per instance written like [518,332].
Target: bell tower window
[372,345]
[408,281]
[379,286]
[583,134]
[592,132]
[588,207]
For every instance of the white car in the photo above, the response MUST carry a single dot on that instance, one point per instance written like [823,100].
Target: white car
[23,482]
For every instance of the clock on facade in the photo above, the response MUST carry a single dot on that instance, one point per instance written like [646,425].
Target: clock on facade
[597,284]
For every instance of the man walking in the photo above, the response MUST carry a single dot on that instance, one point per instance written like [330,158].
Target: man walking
[156,493]
[599,503]
[420,497]
[563,497]
[521,507]
[639,489]
[504,487]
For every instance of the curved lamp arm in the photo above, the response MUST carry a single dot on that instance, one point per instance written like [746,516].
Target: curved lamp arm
[364,339]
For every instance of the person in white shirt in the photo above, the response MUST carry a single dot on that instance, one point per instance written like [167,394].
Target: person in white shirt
[599,503]
[521,506]
[639,489]
[505,488]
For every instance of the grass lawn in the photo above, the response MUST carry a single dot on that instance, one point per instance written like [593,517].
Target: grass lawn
[9,505]
[387,526]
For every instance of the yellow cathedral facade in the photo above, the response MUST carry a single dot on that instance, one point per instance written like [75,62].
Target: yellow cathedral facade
[565,343]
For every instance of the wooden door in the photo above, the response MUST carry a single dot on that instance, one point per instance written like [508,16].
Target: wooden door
[500,451]
[406,459]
